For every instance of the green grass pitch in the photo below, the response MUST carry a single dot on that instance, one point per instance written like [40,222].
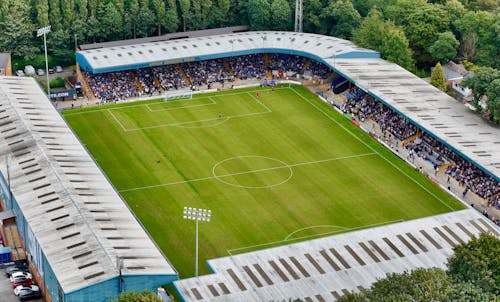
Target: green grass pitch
[274,169]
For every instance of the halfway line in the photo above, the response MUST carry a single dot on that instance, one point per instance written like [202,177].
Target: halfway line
[247,172]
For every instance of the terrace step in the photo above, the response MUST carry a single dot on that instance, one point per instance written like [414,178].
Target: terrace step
[184,75]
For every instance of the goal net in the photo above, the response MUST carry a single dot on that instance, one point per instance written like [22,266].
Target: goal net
[178,96]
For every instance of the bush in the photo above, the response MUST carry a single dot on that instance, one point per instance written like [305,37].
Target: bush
[57,83]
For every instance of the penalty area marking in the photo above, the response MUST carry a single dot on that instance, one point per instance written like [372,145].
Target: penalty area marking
[186,124]
[212,102]
[291,240]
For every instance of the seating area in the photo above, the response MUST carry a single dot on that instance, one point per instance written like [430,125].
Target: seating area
[206,72]
[362,106]
[287,63]
[156,80]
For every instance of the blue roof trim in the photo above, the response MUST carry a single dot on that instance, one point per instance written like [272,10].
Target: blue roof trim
[84,64]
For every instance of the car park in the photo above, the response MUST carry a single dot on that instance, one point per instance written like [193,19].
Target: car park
[23,282]
[29,70]
[11,269]
[29,294]
[18,275]
[18,289]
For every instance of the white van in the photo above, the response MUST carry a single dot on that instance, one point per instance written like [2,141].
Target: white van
[29,70]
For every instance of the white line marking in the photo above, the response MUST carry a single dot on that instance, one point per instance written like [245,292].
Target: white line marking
[129,102]
[117,120]
[246,172]
[281,242]
[212,102]
[314,227]
[371,148]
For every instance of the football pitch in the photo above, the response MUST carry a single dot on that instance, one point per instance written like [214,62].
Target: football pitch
[274,169]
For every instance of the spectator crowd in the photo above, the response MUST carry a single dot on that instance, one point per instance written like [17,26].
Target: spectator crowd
[362,106]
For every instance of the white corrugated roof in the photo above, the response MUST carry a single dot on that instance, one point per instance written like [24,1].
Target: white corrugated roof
[317,45]
[442,116]
[323,269]
[79,220]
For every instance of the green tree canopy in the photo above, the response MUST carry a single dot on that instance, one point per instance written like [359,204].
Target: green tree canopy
[477,262]
[480,33]
[281,15]
[258,14]
[445,47]
[339,19]
[395,48]
[484,81]
[473,275]
[437,77]
[16,29]
[145,296]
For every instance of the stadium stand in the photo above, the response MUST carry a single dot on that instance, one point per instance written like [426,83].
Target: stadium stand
[82,238]
[324,269]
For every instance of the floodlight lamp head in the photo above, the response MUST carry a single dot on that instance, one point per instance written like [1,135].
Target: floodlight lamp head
[42,31]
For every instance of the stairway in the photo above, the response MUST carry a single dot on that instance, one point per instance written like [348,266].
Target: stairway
[228,66]
[411,138]
[184,75]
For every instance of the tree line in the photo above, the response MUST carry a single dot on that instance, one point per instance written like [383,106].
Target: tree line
[407,32]
[472,274]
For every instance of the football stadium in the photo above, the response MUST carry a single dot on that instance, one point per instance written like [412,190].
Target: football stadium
[236,165]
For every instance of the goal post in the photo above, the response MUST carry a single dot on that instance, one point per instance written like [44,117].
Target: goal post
[174,96]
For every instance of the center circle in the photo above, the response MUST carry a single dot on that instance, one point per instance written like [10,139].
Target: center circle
[252,171]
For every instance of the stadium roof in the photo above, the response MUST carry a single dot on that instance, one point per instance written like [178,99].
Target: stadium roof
[324,269]
[79,220]
[426,106]
[216,46]
[167,37]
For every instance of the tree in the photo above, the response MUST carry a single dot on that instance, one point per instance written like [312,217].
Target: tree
[42,13]
[55,14]
[145,21]
[437,77]
[493,103]
[484,80]
[339,19]
[258,14]
[484,30]
[220,12]
[395,48]
[171,17]
[145,296]
[281,15]
[477,262]
[185,6]
[68,13]
[161,13]
[17,30]
[424,25]
[466,292]
[111,21]
[372,30]
[311,18]
[445,47]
